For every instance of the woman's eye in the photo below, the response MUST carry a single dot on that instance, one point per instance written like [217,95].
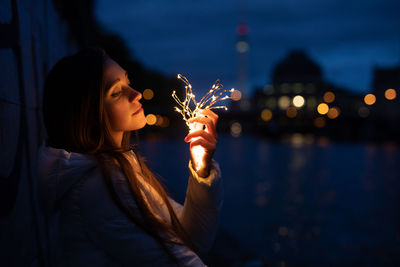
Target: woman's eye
[116,94]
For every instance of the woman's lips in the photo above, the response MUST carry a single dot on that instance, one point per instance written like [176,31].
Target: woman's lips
[138,110]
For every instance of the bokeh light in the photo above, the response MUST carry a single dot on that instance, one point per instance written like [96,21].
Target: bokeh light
[236,95]
[291,112]
[333,113]
[298,101]
[370,99]
[323,108]
[148,94]
[236,129]
[151,119]
[284,102]
[159,120]
[266,115]
[319,122]
[329,97]
[390,94]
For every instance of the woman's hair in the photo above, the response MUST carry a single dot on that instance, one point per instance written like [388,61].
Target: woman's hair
[76,120]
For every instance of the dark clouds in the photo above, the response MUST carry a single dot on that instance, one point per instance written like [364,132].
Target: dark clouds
[346,37]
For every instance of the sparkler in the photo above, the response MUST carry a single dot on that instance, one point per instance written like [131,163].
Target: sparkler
[208,101]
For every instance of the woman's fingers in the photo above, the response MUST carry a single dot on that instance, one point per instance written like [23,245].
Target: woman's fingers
[204,143]
[208,113]
[206,121]
[200,134]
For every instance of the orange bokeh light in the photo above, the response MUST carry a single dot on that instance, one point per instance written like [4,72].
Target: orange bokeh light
[333,113]
[236,95]
[370,99]
[266,115]
[329,97]
[291,112]
[390,94]
[148,94]
[323,108]
[151,119]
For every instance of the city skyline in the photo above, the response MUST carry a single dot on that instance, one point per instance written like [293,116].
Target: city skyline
[198,39]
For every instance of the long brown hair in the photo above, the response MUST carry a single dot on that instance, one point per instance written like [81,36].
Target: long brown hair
[76,120]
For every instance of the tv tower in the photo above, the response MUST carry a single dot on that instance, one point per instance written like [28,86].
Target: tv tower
[242,49]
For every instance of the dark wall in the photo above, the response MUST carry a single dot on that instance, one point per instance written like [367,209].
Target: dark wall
[33,38]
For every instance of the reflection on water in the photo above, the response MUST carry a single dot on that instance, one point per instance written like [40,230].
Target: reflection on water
[300,203]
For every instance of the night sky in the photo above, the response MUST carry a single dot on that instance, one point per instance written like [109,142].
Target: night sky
[347,38]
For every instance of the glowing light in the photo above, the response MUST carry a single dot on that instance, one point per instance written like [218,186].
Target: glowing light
[151,119]
[291,112]
[319,122]
[266,115]
[160,120]
[242,46]
[208,101]
[236,95]
[236,129]
[390,94]
[323,108]
[298,101]
[329,97]
[283,102]
[333,113]
[148,94]
[370,99]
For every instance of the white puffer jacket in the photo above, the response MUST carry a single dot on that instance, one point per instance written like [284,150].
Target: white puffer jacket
[87,228]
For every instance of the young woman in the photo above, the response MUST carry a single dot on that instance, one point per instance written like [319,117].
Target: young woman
[103,206]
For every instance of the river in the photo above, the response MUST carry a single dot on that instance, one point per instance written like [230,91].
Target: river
[297,203]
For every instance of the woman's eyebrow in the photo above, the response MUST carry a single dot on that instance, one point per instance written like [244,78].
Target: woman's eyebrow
[113,83]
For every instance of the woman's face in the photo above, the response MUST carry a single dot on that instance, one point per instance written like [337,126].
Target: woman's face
[121,101]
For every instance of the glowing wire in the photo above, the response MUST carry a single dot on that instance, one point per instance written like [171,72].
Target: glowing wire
[208,101]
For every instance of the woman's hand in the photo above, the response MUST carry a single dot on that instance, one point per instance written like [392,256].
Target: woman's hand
[203,142]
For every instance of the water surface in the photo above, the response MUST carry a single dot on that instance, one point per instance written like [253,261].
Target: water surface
[306,204]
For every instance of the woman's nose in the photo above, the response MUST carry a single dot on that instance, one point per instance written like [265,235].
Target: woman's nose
[135,95]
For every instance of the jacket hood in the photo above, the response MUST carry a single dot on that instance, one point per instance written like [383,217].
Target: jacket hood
[58,171]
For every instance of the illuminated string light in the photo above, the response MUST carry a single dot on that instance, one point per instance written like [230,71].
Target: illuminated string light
[208,101]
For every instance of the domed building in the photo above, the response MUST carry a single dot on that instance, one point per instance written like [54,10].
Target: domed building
[297,67]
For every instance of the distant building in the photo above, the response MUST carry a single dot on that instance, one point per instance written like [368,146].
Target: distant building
[386,87]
